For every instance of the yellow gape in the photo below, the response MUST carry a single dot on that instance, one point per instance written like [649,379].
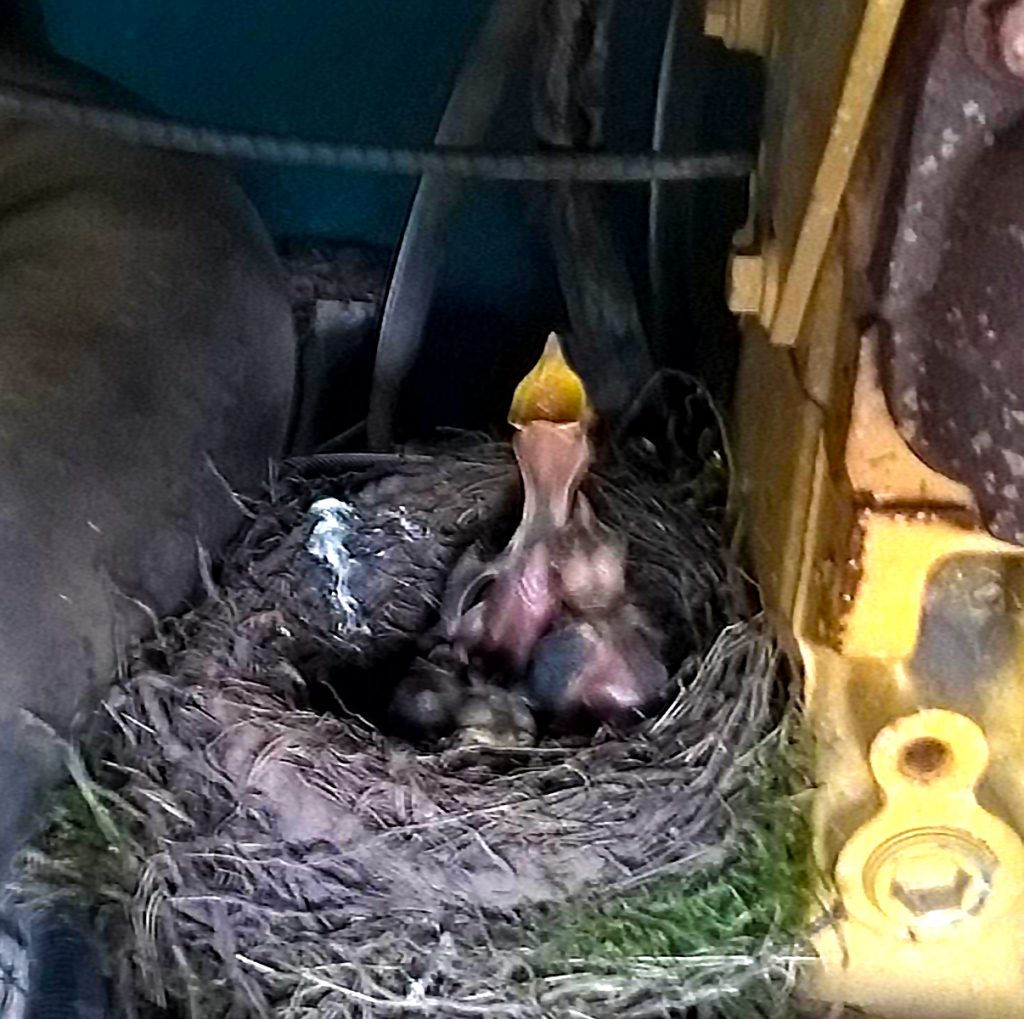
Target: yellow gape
[551,391]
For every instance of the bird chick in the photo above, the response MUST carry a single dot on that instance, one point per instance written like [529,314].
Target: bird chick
[603,671]
[520,607]
[528,582]
[591,563]
[553,459]
[493,717]
[425,704]
[523,599]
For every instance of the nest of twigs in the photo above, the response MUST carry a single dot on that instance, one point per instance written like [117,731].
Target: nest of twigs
[253,845]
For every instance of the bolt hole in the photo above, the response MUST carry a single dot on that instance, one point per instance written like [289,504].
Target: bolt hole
[925,759]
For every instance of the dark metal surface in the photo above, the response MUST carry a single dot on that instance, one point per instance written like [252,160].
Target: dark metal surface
[607,343]
[146,373]
[952,267]
[336,293]
[467,119]
[968,635]
[677,114]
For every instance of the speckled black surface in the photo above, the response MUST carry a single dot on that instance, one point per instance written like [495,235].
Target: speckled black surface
[952,266]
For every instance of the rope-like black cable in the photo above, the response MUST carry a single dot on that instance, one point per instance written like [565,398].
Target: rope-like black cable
[181,136]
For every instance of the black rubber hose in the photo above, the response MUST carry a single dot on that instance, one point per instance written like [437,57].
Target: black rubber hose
[64,976]
[181,136]
[481,85]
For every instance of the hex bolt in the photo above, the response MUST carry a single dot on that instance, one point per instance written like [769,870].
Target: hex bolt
[740,24]
[753,284]
[937,887]
[924,893]
[745,284]
[716,18]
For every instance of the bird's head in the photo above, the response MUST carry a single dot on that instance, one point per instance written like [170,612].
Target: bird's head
[551,391]
[552,416]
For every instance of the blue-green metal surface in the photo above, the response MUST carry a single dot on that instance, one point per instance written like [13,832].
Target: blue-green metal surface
[374,71]
[377,71]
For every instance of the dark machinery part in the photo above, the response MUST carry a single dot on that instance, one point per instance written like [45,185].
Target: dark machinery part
[607,343]
[949,271]
[474,101]
[670,235]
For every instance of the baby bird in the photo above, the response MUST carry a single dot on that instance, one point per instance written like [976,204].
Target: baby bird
[603,671]
[599,661]
[425,704]
[590,560]
[519,608]
[493,717]
[553,451]
[556,619]
[523,601]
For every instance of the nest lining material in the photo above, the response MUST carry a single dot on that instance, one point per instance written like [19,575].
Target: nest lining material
[247,855]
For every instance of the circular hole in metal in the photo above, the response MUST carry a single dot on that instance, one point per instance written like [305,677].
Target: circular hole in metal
[925,758]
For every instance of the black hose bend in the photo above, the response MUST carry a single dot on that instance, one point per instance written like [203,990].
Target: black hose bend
[64,974]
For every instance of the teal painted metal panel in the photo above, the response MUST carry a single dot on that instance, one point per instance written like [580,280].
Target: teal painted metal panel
[374,71]
[377,71]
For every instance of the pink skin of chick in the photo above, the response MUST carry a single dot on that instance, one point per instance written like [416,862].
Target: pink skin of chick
[562,559]
[591,563]
[553,459]
[524,598]
[602,670]
[621,678]
[518,609]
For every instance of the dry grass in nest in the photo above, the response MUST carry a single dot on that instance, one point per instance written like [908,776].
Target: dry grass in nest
[248,855]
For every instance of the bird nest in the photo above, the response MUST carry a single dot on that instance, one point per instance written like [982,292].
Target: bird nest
[253,842]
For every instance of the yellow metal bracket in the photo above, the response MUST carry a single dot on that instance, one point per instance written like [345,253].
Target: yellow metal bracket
[851,117]
[918,808]
[932,862]
[789,263]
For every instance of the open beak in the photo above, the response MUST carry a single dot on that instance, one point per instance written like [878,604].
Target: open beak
[551,391]
[552,415]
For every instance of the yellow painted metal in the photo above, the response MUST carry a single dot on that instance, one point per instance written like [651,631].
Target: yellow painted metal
[898,553]
[863,74]
[753,284]
[740,24]
[827,60]
[932,863]
[919,804]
